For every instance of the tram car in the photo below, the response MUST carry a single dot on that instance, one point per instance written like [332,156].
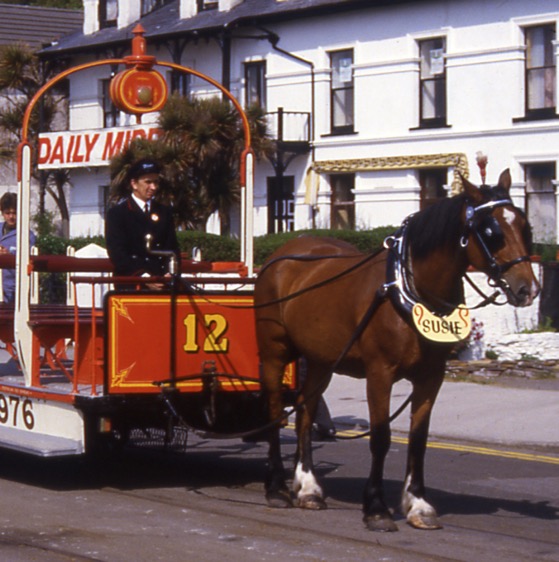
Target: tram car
[89,374]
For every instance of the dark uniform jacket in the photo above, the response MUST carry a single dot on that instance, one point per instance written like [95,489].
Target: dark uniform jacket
[125,230]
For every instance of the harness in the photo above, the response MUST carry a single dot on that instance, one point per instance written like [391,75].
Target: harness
[479,223]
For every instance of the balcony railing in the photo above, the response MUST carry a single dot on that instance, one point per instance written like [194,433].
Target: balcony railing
[290,127]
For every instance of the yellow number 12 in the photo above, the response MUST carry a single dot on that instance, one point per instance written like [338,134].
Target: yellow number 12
[215,326]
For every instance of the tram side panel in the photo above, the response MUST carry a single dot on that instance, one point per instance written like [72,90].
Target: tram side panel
[206,360]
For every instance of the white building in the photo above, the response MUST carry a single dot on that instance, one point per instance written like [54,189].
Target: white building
[383,102]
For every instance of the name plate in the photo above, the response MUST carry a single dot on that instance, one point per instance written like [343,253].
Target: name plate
[452,328]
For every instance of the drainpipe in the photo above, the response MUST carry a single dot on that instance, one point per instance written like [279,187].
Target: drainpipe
[225,43]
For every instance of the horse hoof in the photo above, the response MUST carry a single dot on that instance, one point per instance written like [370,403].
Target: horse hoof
[311,502]
[380,522]
[425,522]
[279,500]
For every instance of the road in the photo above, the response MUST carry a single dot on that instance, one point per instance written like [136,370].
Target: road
[207,505]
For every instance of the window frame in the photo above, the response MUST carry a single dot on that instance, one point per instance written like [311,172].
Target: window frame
[104,22]
[439,81]
[108,107]
[545,112]
[348,112]
[337,181]
[259,81]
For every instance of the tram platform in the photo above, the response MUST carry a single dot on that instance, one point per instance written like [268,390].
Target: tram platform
[512,411]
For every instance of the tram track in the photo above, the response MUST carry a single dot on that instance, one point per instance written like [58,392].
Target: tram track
[241,511]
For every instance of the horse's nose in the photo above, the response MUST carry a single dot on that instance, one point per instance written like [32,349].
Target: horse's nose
[527,293]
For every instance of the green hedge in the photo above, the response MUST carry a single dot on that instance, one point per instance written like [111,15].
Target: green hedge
[222,248]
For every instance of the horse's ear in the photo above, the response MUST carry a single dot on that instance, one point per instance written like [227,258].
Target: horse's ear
[471,190]
[505,180]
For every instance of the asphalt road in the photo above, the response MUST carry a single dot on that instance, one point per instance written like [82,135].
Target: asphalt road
[207,505]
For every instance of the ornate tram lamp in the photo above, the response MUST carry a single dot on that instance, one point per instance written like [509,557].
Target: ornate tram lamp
[139,89]
[136,90]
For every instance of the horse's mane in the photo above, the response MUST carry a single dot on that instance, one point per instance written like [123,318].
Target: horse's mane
[440,225]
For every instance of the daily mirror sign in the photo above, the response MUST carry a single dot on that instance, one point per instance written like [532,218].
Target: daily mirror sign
[73,149]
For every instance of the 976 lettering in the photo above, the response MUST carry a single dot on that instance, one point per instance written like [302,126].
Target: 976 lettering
[16,411]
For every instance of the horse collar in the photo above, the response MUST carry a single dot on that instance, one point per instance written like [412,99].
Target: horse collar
[451,326]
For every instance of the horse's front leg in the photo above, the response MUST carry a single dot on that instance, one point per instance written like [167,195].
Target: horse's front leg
[305,484]
[418,511]
[376,514]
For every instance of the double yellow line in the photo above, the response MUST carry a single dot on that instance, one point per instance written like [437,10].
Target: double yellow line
[466,449]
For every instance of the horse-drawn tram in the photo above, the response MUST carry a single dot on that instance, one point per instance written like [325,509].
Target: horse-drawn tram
[91,372]
[199,357]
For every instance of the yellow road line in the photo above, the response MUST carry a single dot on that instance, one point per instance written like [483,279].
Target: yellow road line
[465,448]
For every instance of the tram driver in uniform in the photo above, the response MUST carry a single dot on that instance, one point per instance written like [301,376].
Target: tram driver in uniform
[133,217]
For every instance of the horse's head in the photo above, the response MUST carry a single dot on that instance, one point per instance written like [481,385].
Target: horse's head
[497,239]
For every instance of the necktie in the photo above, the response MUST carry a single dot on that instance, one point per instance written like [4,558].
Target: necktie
[146,209]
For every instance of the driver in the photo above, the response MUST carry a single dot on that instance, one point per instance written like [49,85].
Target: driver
[133,217]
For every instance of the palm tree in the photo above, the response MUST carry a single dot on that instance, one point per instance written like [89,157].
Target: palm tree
[21,76]
[199,149]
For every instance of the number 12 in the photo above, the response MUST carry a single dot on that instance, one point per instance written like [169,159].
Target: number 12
[215,326]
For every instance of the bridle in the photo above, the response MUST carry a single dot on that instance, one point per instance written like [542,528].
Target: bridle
[486,230]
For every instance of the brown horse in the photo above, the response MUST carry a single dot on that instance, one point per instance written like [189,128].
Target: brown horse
[347,312]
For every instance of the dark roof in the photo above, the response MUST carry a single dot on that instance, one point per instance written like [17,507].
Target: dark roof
[164,22]
[36,26]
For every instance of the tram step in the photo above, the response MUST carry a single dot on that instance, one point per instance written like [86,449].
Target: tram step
[38,443]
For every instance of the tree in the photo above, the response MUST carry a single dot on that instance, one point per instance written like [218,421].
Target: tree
[199,149]
[21,76]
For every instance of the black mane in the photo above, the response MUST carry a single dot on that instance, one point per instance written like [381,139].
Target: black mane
[440,225]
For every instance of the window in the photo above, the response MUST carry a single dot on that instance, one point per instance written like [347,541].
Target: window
[150,5]
[108,13]
[181,83]
[111,115]
[540,72]
[255,82]
[541,201]
[432,83]
[343,202]
[432,182]
[207,5]
[281,204]
[341,94]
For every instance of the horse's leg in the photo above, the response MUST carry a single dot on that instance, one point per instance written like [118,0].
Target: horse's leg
[418,511]
[277,491]
[305,485]
[376,515]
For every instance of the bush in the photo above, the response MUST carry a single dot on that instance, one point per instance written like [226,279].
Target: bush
[547,252]
[223,248]
[364,240]
[212,246]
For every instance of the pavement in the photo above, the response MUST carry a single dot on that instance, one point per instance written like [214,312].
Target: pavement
[513,412]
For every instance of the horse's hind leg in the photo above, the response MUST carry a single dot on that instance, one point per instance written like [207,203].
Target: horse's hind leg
[305,485]
[420,513]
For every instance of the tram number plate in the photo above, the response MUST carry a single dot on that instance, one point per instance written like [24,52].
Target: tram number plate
[16,411]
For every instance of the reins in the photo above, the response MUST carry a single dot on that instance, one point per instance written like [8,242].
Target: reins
[398,286]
